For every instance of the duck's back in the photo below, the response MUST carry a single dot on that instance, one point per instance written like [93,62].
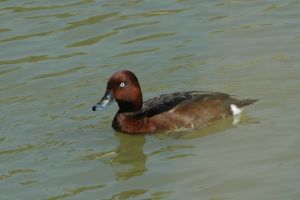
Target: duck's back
[190,109]
[166,102]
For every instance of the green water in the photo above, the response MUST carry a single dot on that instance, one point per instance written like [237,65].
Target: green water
[56,57]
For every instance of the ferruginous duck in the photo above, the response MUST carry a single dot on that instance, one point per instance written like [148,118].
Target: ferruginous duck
[167,112]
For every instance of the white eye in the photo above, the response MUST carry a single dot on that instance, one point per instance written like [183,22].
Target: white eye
[122,84]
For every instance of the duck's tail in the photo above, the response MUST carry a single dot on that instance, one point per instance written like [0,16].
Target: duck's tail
[236,104]
[239,103]
[245,102]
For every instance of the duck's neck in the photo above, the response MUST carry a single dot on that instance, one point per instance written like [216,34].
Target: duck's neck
[126,106]
[133,101]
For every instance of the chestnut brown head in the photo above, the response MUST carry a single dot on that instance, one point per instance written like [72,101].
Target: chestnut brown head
[124,88]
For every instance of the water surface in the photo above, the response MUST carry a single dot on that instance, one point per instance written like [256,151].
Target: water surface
[56,57]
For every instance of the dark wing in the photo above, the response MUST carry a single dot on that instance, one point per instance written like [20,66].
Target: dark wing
[166,102]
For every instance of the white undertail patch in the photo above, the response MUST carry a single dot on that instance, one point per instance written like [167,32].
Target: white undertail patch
[236,114]
[235,110]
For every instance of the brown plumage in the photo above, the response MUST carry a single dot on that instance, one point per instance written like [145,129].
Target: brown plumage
[192,109]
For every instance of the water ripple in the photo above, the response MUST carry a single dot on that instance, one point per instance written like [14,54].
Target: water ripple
[162,12]
[135,25]
[2,139]
[59,15]
[91,20]
[131,53]
[181,57]
[242,28]
[93,40]
[128,3]
[180,156]
[149,37]
[14,99]
[129,194]
[5,71]
[70,26]
[31,147]
[34,59]
[98,155]
[15,172]
[27,36]
[48,7]
[76,191]
[4,30]
[171,148]
[59,73]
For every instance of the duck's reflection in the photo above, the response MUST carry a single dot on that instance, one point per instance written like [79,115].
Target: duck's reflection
[220,126]
[130,153]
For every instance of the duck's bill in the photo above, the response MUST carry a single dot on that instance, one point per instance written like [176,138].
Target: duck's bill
[106,100]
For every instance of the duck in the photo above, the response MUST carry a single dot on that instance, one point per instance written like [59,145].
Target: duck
[186,110]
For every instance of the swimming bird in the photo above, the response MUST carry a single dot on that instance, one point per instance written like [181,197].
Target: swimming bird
[167,112]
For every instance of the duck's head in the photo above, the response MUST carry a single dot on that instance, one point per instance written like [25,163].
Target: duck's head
[124,88]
